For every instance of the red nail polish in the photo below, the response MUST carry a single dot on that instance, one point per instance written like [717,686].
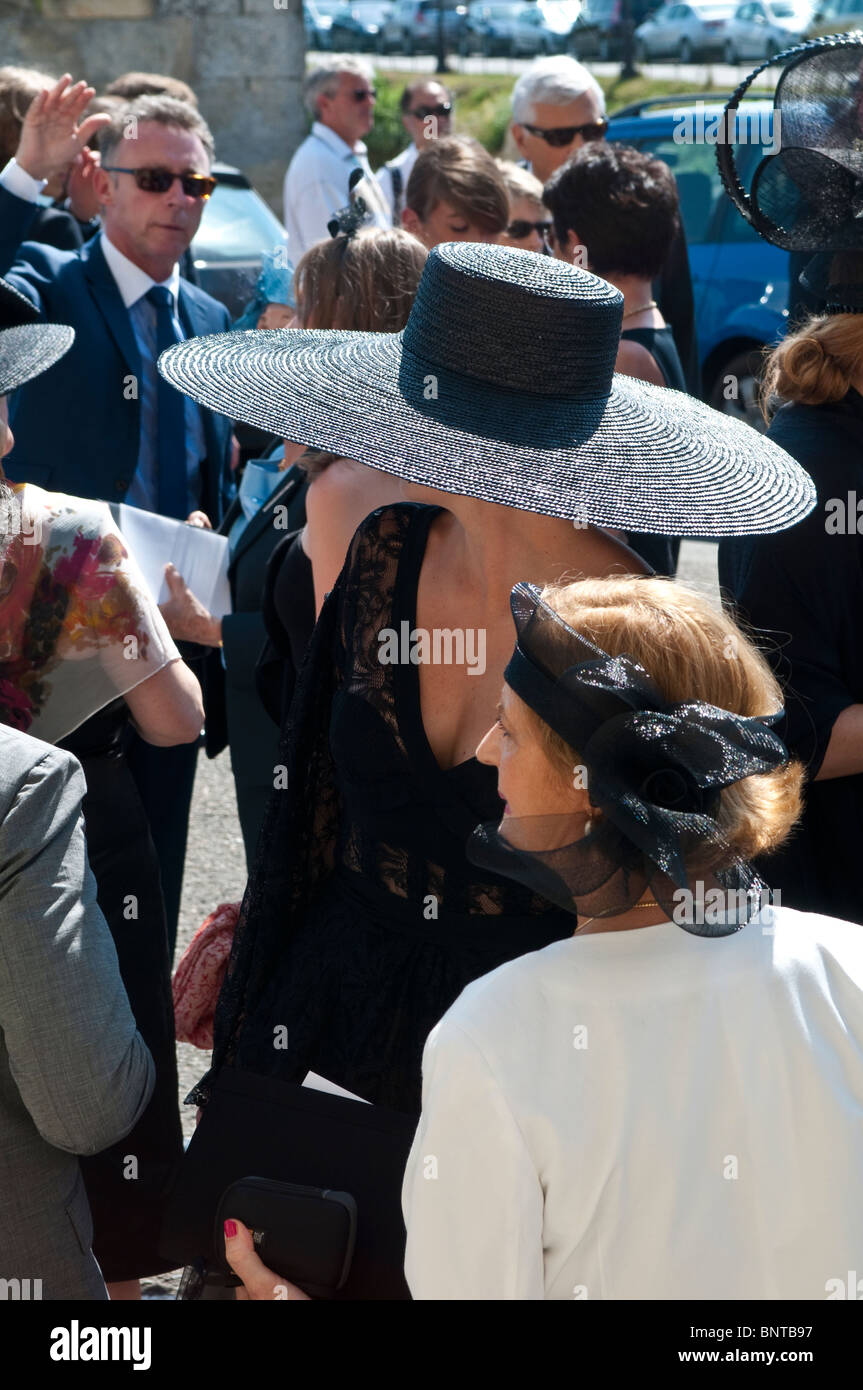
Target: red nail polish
[230,1229]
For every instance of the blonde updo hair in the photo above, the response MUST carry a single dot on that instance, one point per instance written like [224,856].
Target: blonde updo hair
[816,364]
[366,283]
[692,652]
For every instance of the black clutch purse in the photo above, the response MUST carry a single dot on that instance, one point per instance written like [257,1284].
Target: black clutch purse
[261,1126]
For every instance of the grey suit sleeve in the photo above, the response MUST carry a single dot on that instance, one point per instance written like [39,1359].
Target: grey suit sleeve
[83,1070]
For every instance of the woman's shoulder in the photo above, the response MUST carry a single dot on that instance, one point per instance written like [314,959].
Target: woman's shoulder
[386,530]
[824,438]
[490,1008]
[83,516]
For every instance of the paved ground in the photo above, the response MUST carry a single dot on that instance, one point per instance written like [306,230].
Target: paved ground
[713,76]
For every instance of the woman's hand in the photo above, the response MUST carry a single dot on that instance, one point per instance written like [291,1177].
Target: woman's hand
[187,618]
[259,1283]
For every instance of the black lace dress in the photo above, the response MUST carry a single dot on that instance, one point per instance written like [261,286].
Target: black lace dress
[363,919]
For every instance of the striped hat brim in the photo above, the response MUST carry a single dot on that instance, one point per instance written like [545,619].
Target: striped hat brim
[642,458]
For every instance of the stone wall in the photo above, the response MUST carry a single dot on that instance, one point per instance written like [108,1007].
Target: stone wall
[244,59]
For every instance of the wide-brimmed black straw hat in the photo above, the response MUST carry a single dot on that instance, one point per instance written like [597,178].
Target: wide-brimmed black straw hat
[27,347]
[502,387]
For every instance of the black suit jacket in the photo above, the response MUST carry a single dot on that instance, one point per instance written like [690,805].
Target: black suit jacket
[234,711]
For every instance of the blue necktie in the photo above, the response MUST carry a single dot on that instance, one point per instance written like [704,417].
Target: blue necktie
[170,407]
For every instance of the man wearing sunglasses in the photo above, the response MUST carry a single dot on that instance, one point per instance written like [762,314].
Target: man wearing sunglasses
[427,109]
[557,107]
[102,423]
[340,97]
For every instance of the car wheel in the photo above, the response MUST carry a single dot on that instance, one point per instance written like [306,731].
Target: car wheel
[686,54]
[741,373]
[731,54]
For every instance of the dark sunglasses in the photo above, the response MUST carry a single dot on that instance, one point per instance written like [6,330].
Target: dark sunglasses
[519,230]
[160,180]
[364,94]
[423,112]
[565,134]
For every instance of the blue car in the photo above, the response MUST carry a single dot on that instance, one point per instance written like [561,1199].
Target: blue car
[740,283]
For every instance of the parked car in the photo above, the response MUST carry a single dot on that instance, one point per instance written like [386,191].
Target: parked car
[507,30]
[236,228]
[762,28]
[687,32]
[356,27]
[412,26]
[836,17]
[317,20]
[740,282]
[560,17]
[599,27]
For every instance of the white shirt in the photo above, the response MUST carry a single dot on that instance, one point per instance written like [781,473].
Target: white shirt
[404,162]
[647,1114]
[316,187]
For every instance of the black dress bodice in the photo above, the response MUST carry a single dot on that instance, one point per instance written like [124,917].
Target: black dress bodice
[363,919]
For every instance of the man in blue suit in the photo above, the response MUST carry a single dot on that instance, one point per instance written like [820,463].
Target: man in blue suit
[102,423]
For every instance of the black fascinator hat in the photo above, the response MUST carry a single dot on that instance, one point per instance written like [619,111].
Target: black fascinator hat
[808,195]
[654,769]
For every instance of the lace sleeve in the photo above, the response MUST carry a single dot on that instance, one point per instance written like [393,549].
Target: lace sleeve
[296,849]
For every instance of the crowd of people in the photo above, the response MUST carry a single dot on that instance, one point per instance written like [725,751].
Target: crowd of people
[471,714]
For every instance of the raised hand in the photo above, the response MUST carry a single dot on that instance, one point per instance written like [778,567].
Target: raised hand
[50,135]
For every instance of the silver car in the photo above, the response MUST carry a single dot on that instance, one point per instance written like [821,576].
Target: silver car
[685,32]
[762,28]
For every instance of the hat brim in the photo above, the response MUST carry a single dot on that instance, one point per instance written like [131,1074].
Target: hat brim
[644,458]
[30,349]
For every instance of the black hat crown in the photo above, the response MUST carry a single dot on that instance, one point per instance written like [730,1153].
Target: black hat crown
[516,319]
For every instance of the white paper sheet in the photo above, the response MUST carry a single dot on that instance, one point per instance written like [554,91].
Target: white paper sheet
[320,1083]
[200,556]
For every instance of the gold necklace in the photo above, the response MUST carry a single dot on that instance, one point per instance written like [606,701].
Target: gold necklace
[650,903]
[651,304]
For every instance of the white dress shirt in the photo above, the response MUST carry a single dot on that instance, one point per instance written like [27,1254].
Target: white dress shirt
[404,162]
[133,284]
[647,1114]
[16,180]
[316,187]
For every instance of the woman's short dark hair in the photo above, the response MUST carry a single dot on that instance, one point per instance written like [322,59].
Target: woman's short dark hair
[622,204]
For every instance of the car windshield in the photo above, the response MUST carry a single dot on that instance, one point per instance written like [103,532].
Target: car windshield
[237,225]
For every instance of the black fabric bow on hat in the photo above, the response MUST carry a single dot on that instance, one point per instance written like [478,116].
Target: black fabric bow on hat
[654,769]
[348,220]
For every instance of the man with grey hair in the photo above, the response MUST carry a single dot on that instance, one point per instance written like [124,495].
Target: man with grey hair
[339,95]
[555,97]
[557,106]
